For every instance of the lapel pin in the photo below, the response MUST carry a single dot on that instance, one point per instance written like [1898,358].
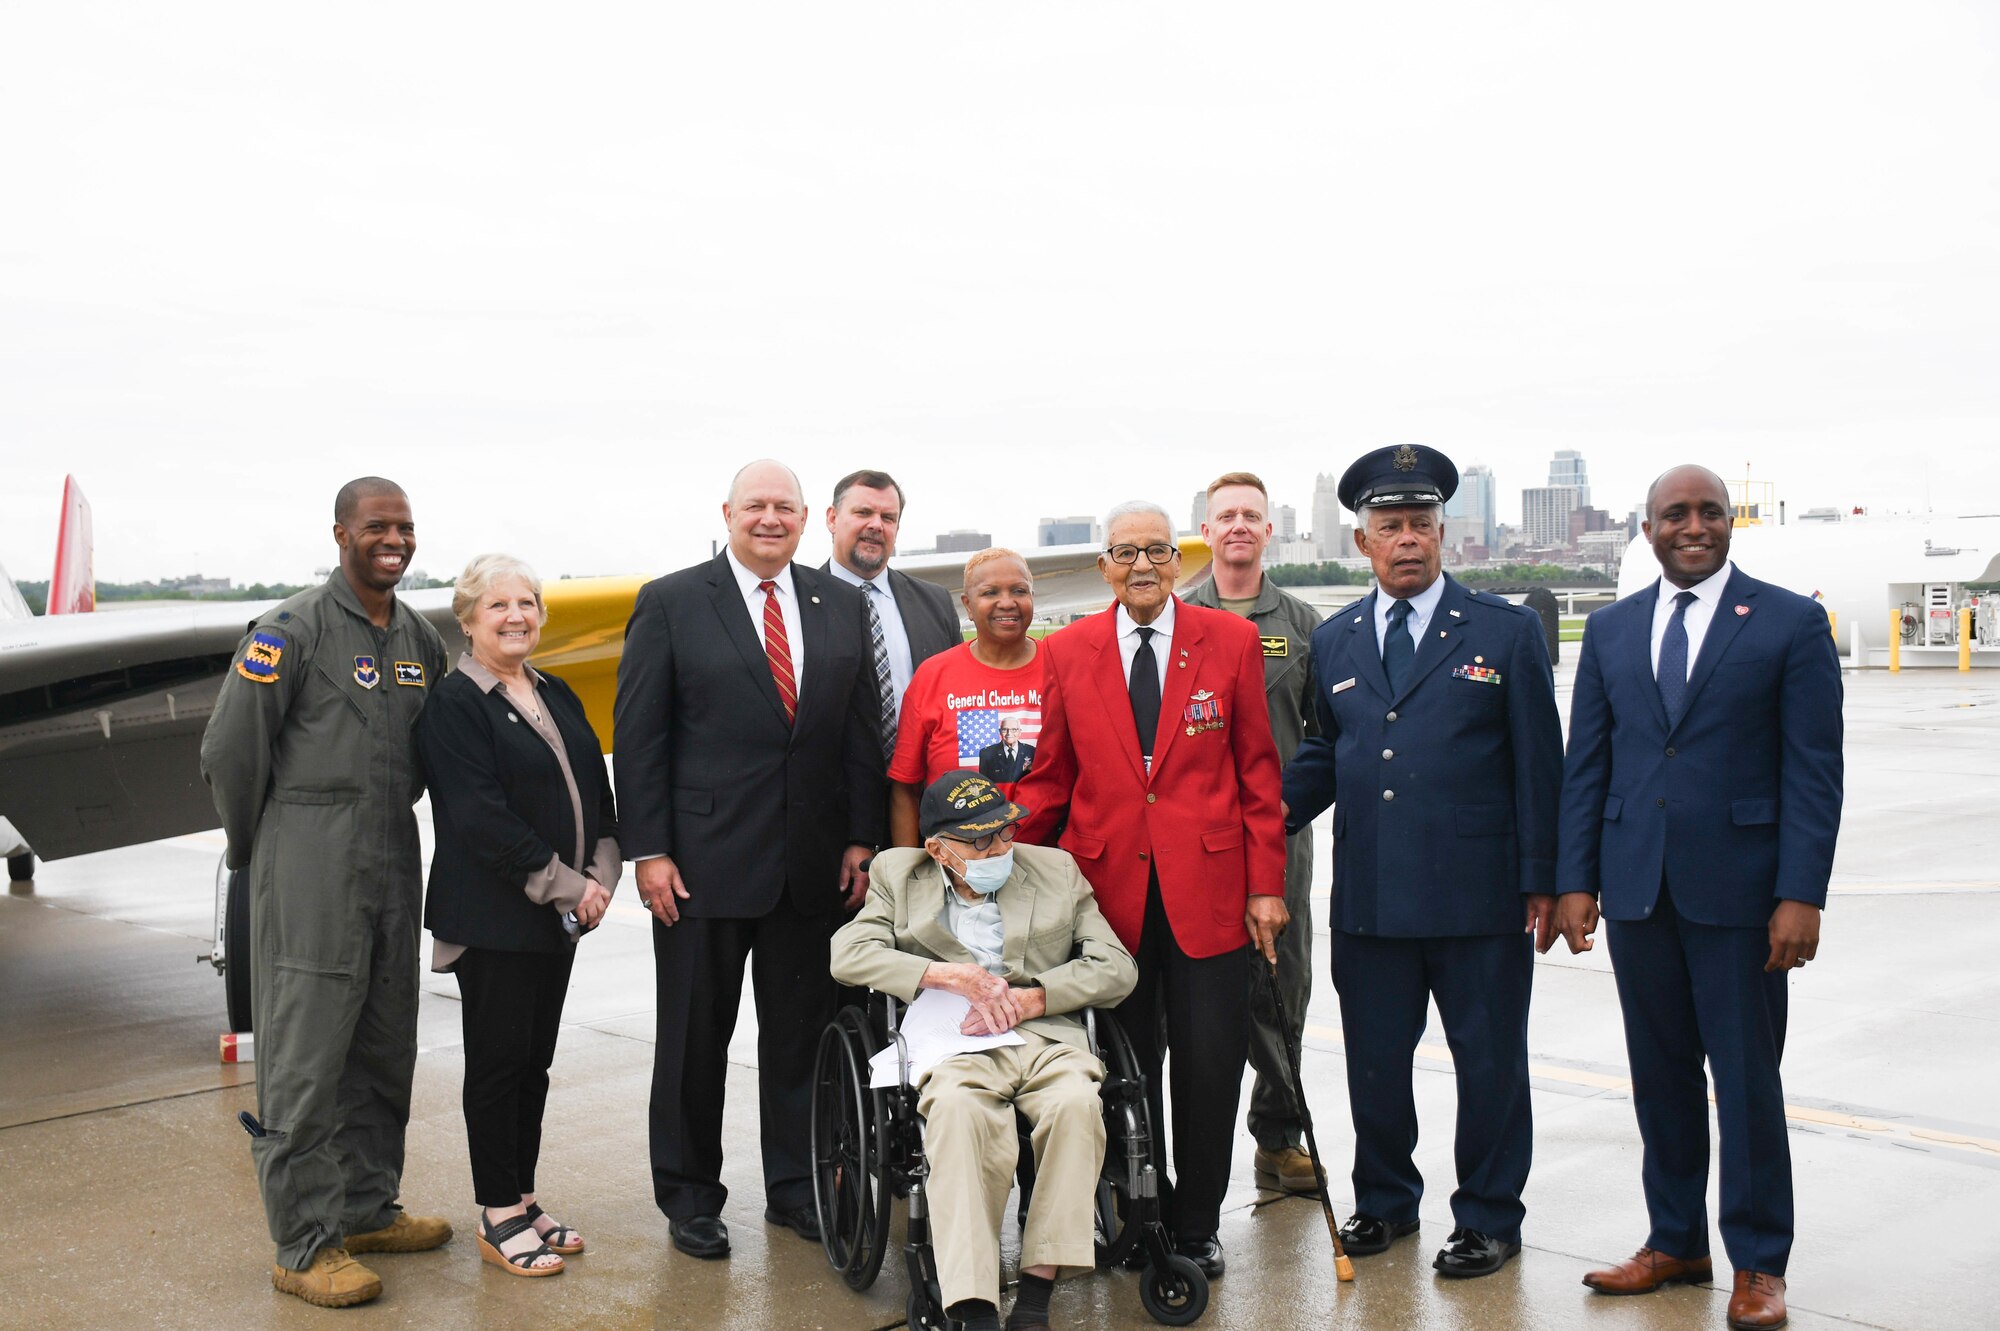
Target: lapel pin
[1479,660]
[1441,633]
[1454,614]
[1742,609]
[815,600]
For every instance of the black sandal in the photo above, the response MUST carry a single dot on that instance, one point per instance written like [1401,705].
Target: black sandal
[571,1243]
[491,1236]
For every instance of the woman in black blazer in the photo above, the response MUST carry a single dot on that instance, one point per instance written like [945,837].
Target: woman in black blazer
[526,860]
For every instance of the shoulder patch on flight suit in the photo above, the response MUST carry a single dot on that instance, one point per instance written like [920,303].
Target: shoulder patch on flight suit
[260,659]
[1278,645]
[410,672]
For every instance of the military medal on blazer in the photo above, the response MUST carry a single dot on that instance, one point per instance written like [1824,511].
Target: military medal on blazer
[1203,712]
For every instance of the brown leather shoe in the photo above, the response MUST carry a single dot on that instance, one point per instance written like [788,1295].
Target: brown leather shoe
[334,1280]
[406,1233]
[1758,1303]
[1288,1170]
[1646,1270]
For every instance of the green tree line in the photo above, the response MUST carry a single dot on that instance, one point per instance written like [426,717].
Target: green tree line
[36,594]
[1334,575]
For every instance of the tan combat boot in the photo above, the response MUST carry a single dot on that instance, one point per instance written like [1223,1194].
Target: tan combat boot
[334,1280]
[406,1233]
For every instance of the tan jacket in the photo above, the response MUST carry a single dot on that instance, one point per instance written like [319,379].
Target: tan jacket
[1052,935]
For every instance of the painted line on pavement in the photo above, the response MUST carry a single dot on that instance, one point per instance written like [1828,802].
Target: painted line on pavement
[1607,1081]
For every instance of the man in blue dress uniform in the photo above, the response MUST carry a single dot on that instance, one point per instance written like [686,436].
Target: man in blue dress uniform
[1438,737]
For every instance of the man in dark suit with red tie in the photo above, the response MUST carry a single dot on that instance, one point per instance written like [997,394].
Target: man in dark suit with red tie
[750,774]
[1156,752]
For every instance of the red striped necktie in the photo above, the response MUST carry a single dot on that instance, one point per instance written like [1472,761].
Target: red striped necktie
[778,650]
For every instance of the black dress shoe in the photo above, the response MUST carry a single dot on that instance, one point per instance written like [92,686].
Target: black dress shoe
[1365,1235]
[803,1220]
[1204,1253]
[1470,1253]
[700,1236]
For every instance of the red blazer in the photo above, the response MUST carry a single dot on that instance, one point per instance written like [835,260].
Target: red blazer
[1207,819]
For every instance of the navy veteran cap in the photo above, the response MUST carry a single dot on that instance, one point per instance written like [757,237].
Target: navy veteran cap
[1405,474]
[967,806]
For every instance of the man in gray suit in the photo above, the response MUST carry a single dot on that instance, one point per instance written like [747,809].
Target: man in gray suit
[911,621]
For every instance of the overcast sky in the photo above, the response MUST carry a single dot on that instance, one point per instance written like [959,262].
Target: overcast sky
[560,270]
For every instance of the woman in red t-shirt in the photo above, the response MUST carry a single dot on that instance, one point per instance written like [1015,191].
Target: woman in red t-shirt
[977,705]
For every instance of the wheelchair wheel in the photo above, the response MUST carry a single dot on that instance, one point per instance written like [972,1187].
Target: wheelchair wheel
[1126,1132]
[918,1317]
[1177,1296]
[850,1148]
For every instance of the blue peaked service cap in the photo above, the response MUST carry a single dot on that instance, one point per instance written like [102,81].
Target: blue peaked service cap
[1405,474]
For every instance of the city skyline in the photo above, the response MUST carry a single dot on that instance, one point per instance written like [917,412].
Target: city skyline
[247,262]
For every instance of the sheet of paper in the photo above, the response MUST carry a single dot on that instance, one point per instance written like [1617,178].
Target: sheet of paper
[931,1034]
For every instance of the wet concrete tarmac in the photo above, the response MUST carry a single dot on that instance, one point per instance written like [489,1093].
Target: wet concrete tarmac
[132,1202]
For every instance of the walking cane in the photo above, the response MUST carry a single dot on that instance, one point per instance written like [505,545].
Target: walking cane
[1343,1266]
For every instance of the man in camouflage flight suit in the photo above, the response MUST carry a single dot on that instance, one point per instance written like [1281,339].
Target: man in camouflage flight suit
[310,756]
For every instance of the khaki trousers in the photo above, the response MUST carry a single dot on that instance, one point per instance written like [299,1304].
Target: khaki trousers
[968,1103]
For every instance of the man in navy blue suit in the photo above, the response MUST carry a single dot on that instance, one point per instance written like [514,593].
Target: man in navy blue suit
[1701,799]
[1438,736]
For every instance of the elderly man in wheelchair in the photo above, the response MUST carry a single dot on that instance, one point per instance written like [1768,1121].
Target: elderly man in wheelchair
[1015,931]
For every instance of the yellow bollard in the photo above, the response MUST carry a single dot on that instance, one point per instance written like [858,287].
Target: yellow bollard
[1895,641]
[1964,638]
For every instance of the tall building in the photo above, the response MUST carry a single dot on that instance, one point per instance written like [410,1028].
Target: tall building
[1545,514]
[964,540]
[1285,523]
[1074,530]
[1329,531]
[1567,468]
[1198,514]
[1475,504]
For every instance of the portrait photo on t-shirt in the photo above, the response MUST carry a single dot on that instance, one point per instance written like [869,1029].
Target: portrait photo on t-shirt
[999,745]
[961,715]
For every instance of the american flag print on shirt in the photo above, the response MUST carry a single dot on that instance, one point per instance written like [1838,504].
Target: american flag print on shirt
[980,726]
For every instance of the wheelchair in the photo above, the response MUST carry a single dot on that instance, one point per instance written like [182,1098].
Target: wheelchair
[868,1151]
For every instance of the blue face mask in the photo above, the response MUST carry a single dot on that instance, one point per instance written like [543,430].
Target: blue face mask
[989,875]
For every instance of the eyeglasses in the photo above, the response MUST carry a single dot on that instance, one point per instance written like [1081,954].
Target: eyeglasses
[1157,553]
[1003,836]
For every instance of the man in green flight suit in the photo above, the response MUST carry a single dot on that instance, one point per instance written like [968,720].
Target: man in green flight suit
[310,756]
[1237,530]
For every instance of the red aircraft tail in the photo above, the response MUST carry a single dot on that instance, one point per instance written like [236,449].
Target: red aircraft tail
[73,587]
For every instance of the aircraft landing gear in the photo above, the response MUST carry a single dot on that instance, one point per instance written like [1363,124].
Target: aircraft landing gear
[21,867]
[231,955]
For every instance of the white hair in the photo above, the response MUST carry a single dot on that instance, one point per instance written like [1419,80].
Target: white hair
[1133,508]
[480,576]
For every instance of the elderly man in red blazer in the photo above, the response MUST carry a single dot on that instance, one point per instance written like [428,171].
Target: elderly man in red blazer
[1156,760]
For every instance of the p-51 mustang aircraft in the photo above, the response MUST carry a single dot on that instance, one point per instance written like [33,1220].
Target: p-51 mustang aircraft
[101,715]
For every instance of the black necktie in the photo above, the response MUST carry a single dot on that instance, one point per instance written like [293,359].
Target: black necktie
[1399,650]
[1674,660]
[1145,689]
